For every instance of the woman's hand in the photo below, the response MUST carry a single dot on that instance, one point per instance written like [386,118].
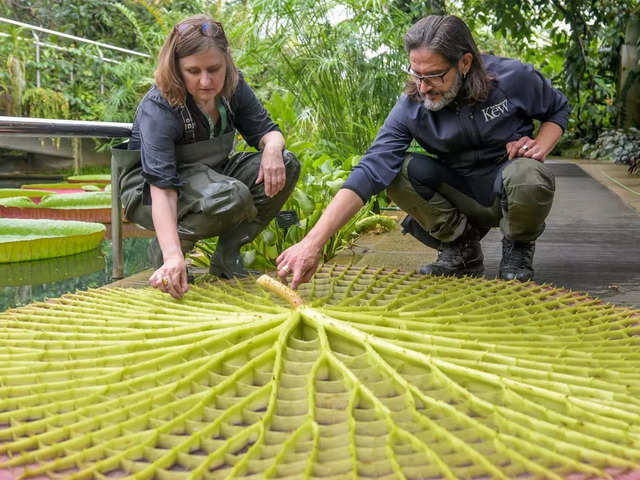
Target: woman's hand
[272,170]
[301,260]
[171,277]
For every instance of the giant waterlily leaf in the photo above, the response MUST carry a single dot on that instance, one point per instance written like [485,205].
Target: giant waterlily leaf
[17,202]
[78,200]
[379,374]
[99,179]
[57,187]
[85,206]
[17,192]
[22,239]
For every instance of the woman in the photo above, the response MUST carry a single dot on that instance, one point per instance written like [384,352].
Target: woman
[179,175]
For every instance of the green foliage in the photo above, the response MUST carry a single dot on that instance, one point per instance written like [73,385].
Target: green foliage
[381,374]
[18,192]
[20,202]
[321,177]
[45,103]
[345,74]
[575,43]
[15,87]
[617,146]
[77,200]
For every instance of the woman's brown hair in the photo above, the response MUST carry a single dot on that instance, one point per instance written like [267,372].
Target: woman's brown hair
[193,35]
[449,36]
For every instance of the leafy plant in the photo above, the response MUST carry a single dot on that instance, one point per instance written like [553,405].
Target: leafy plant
[581,37]
[18,192]
[345,74]
[45,103]
[617,146]
[321,176]
[380,374]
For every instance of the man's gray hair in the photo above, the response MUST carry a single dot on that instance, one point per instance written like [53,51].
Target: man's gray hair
[449,36]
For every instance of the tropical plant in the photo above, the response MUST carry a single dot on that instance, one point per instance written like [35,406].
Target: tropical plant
[45,103]
[379,374]
[341,60]
[582,37]
[617,146]
[321,176]
[18,192]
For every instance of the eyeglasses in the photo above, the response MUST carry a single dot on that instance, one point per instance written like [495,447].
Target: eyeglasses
[436,80]
[207,29]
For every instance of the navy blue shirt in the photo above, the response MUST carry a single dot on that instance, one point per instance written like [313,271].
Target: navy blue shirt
[158,128]
[465,137]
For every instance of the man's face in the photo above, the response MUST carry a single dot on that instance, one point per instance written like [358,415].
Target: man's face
[438,91]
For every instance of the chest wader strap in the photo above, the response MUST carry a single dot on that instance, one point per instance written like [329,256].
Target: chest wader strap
[189,124]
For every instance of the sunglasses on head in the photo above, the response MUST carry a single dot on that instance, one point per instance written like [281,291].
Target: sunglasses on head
[207,29]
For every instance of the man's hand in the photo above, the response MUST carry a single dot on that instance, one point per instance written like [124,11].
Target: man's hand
[301,260]
[526,147]
[171,277]
[272,170]
[537,148]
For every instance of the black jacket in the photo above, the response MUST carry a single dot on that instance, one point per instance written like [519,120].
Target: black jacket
[467,137]
[158,128]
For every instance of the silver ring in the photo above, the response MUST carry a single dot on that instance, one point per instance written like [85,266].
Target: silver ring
[285,269]
[525,148]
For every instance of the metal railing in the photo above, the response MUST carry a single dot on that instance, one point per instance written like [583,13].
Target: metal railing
[99,46]
[39,127]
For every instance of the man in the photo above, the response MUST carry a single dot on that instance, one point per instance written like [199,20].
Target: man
[473,114]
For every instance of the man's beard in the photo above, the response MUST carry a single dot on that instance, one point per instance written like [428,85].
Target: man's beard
[447,97]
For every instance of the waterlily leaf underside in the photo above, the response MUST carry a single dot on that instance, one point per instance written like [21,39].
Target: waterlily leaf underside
[380,374]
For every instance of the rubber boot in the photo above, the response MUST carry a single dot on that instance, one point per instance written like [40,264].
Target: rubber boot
[226,261]
[461,257]
[517,260]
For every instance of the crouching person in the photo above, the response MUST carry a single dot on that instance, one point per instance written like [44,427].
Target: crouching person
[473,114]
[179,175]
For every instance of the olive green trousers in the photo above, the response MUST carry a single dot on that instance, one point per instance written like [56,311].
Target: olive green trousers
[523,191]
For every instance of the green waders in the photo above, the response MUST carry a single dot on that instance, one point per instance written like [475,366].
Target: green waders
[219,195]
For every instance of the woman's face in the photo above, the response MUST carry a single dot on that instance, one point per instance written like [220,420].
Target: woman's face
[203,74]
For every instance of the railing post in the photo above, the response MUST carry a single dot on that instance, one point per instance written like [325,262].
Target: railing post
[35,35]
[116,223]
[101,71]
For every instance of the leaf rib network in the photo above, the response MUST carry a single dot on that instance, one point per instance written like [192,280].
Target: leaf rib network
[381,374]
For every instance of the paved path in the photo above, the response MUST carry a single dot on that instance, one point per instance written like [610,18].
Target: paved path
[591,244]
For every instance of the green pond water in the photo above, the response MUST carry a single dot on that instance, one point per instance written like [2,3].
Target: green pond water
[25,282]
